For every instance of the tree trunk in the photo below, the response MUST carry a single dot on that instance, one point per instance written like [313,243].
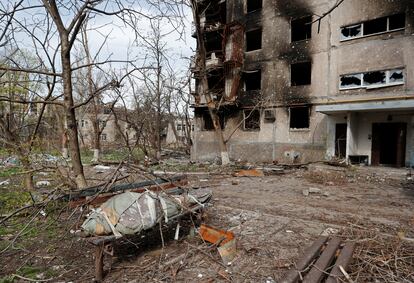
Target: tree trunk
[72,129]
[158,114]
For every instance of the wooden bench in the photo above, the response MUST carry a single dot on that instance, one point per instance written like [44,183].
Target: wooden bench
[322,262]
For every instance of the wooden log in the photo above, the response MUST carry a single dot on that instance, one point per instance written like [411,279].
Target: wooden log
[310,254]
[99,256]
[344,259]
[120,188]
[316,274]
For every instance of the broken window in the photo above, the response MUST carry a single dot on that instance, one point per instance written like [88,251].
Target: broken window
[372,79]
[103,137]
[396,22]
[178,127]
[380,25]
[254,40]
[396,76]
[269,116]
[253,80]
[351,32]
[208,124]
[253,5]
[251,120]
[375,26]
[300,73]
[299,117]
[301,29]
[351,81]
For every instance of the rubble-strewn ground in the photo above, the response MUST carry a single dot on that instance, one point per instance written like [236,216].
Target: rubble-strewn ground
[274,219]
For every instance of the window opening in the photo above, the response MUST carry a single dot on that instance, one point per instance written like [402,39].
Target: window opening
[299,117]
[251,120]
[301,73]
[375,26]
[253,80]
[301,29]
[372,79]
[254,5]
[254,40]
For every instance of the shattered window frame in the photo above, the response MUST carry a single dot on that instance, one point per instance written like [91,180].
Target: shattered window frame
[389,81]
[253,125]
[362,32]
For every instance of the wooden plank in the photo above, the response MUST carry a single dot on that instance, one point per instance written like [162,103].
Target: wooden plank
[316,274]
[344,259]
[310,254]
[99,255]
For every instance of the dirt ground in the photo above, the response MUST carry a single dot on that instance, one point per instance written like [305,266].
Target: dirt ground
[273,217]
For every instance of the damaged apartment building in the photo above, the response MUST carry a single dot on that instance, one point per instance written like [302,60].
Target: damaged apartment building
[300,81]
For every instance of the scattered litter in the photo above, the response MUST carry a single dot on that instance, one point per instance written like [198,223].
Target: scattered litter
[330,231]
[43,213]
[102,168]
[289,231]
[314,191]
[5,183]
[42,184]
[200,275]
[225,241]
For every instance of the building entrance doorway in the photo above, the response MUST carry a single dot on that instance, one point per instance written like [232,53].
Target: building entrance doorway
[388,144]
[340,140]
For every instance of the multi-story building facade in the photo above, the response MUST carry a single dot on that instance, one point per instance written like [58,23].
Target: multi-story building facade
[295,87]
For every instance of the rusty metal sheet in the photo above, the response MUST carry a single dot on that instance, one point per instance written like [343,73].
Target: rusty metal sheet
[224,239]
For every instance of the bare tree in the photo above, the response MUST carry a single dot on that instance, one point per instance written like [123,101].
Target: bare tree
[62,21]
[211,104]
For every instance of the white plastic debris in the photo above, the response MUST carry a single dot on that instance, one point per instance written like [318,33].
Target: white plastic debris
[102,168]
[42,183]
[330,231]
[5,183]
[200,275]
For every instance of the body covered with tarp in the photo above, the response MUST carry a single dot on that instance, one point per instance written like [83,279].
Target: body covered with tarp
[130,213]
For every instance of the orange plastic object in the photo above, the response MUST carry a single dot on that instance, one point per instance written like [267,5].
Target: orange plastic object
[215,236]
[249,173]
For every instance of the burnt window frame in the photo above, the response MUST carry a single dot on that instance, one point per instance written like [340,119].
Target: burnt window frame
[387,83]
[245,117]
[261,39]
[254,10]
[310,74]
[247,73]
[309,111]
[361,24]
[269,116]
[299,19]
[222,120]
